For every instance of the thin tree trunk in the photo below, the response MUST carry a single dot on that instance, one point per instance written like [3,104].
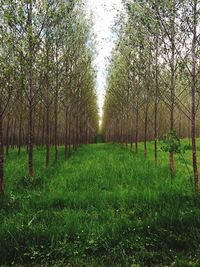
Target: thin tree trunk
[56,122]
[145,129]
[30,143]
[194,81]
[43,131]
[56,107]
[69,137]
[66,132]
[7,135]
[38,131]
[14,134]
[189,132]
[30,78]
[172,89]
[1,153]
[20,134]
[77,135]
[156,108]
[136,131]
[47,138]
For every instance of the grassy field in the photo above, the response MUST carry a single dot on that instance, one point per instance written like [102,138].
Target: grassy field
[102,207]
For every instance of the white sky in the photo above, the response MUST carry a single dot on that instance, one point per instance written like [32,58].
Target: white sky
[104,13]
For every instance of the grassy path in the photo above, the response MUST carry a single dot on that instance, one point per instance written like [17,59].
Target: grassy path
[102,207]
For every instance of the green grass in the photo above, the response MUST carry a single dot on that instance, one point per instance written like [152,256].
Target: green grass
[102,207]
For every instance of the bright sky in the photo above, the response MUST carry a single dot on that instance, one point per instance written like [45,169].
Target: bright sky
[104,13]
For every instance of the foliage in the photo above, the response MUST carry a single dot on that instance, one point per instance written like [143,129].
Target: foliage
[172,143]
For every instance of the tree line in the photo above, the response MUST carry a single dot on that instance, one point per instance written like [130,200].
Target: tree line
[153,78]
[47,81]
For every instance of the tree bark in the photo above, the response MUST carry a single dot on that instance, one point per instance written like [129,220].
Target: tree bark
[156,108]
[56,115]
[66,132]
[1,153]
[145,129]
[30,80]
[172,89]
[20,134]
[7,135]
[38,131]
[13,142]
[193,108]
[136,130]
[47,138]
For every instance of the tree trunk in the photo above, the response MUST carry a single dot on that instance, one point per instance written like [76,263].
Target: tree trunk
[30,142]
[1,153]
[66,132]
[172,89]
[69,136]
[7,135]
[47,138]
[156,108]
[30,80]
[43,131]
[136,131]
[56,124]
[20,135]
[193,87]
[145,129]
[14,134]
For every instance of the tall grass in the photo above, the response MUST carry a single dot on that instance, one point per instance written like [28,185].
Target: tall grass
[104,206]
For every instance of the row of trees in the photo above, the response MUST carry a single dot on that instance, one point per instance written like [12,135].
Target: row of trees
[153,80]
[47,82]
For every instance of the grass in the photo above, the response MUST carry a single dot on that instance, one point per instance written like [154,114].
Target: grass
[104,206]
